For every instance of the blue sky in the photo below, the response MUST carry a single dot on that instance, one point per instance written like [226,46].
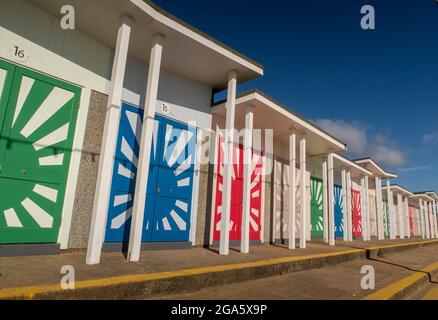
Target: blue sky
[375,89]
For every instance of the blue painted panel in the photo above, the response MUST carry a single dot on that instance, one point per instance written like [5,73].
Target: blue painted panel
[339,218]
[170,181]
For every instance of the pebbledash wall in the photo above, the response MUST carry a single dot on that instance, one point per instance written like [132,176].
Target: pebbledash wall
[73,57]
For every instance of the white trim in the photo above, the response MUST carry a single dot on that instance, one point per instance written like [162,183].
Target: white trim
[195,189]
[216,147]
[330,200]
[73,173]
[352,164]
[160,18]
[385,174]
[262,205]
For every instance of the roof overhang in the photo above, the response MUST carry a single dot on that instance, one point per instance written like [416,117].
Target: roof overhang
[422,196]
[269,114]
[356,171]
[186,50]
[432,195]
[400,190]
[376,170]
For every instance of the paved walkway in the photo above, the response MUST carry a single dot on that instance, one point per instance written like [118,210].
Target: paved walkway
[339,282]
[41,270]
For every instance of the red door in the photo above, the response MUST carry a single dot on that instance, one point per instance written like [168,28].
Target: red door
[356,212]
[412,220]
[237,194]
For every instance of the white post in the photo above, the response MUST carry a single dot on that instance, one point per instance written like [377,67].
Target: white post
[407,220]
[362,205]
[331,202]
[247,160]
[224,243]
[344,202]
[367,209]
[435,218]
[349,209]
[400,214]
[431,222]
[109,140]
[391,217]
[292,189]
[325,200]
[147,130]
[422,223]
[303,209]
[379,208]
[426,215]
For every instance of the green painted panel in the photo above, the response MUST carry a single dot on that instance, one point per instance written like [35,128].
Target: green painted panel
[316,208]
[36,138]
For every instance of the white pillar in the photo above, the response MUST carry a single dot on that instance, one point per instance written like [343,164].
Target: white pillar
[426,220]
[407,220]
[400,215]
[349,209]
[303,209]
[325,200]
[331,201]
[362,206]
[379,209]
[390,215]
[431,222]
[367,209]
[224,243]
[109,140]
[147,130]
[344,202]
[247,160]
[292,189]
[422,222]
[435,218]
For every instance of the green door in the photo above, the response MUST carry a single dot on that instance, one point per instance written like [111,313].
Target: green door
[316,208]
[37,124]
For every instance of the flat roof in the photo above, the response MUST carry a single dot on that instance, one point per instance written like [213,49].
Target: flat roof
[187,51]
[270,114]
[356,170]
[377,170]
[401,190]
[423,196]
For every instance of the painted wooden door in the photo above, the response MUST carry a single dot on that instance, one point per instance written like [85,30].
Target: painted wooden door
[339,211]
[316,207]
[170,181]
[37,125]
[373,213]
[356,210]
[237,193]
[412,221]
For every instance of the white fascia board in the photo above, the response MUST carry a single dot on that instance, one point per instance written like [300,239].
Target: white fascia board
[422,196]
[352,164]
[384,174]
[161,18]
[401,190]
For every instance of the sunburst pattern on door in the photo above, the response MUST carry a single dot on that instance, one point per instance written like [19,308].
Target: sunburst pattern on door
[170,181]
[237,192]
[339,209]
[316,204]
[35,146]
[356,211]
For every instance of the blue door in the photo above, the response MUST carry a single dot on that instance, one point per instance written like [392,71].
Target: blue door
[170,182]
[339,218]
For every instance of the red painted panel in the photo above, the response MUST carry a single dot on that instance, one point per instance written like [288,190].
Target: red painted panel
[237,194]
[411,220]
[356,210]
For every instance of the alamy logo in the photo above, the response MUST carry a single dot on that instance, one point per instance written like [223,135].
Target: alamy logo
[368,281]
[68,20]
[68,280]
[368,21]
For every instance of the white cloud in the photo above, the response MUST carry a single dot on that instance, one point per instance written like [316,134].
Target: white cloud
[353,134]
[361,143]
[415,169]
[430,138]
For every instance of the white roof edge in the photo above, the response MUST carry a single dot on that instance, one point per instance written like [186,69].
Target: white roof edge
[352,164]
[393,186]
[286,113]
[422,195]
[384,173]
[148,9]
